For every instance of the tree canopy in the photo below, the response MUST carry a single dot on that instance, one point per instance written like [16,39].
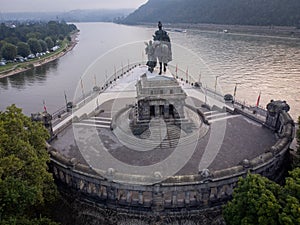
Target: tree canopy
[259,201]
[42,32]
[298,137]
[25,183]
[9,51]
[23,49]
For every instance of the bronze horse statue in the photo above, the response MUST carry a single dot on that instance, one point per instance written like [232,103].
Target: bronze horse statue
[158,50]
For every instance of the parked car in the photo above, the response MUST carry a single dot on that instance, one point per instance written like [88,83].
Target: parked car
[55,48]
[31,56]
[19,59]
[2,63]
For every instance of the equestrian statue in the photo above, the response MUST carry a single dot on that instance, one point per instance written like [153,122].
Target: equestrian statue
[159,48]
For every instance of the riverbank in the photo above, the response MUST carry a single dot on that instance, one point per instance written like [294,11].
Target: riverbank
[278,31]
[22,67]
[275,31]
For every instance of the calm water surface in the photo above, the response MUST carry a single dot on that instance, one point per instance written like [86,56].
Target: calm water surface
[268,65]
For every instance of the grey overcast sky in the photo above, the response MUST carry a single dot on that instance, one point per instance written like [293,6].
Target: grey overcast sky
[65,5]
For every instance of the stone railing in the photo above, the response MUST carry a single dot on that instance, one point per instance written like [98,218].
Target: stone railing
[194,192]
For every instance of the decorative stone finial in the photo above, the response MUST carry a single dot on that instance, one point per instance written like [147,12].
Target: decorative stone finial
[205,173]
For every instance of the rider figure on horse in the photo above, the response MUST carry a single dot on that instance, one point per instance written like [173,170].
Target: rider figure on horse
[160,34]
[162,49]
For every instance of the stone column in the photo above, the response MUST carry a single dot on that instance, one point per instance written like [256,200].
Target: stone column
[167,116]
[157,114]
[158,200]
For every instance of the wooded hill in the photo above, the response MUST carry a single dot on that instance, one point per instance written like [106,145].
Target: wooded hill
[241,12]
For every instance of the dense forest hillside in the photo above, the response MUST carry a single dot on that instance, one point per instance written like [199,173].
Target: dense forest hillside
[242,12]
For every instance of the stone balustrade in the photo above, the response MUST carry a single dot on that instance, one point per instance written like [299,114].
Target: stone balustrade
[193,193]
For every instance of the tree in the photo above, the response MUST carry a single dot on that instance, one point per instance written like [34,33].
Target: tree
[12,40]
[243,12]
[260,201]
[9,51]
[49,41]
[254,202]
[1,44]
[61,37]
[43,45]
[23,49]
[24,178]
[291,194]
[34,45]
[23,32]
[298,138]
[36,35]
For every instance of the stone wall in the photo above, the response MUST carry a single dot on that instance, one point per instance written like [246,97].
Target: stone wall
[176,197]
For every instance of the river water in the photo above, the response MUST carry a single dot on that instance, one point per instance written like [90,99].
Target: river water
[269,65]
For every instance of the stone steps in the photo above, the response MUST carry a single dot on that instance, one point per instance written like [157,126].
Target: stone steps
[159,134]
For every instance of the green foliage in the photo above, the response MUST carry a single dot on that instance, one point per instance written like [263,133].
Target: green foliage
[49,41]
[25,221]
[61,37]
[44,45]
[35,35]
[23,49]
[298,137]
[9,51]
[244,12]
[254,202]
[25,183]
[34,45]
[35,31]
[12,40]
[1,44]
[291,199]
[258,200]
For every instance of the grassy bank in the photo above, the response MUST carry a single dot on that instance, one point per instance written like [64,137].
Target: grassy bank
[17,67]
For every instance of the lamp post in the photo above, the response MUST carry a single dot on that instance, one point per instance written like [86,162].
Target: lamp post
[216,81]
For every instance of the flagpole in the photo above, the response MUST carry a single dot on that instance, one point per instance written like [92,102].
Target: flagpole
[234,93]
[82,91]
[45,109]
[258,100]
[205,96]
[187,74]
[95,80]
[216,82]
[106,81]
[66,100]
[97,103]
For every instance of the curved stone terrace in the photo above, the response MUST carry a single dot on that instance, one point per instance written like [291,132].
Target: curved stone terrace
[221,138]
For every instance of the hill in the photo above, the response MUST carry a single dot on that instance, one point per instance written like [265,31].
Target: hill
[92,15]
[239,12]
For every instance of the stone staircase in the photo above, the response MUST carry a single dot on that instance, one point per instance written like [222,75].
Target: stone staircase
[98,122]
[159,134]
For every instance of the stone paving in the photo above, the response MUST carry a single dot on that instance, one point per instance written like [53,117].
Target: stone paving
[226,142]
